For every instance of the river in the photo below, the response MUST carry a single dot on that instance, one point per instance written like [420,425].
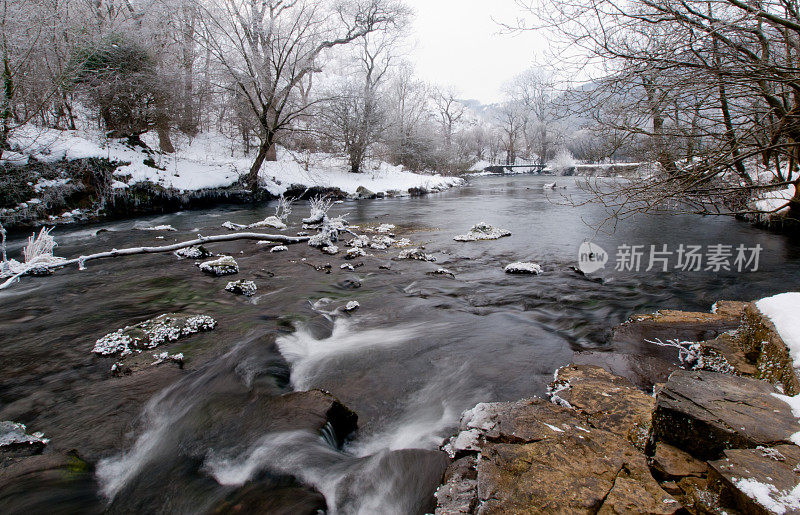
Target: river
[420,350]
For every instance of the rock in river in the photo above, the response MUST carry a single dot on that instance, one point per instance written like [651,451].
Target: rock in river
[533,456]
[705,413]
[610,402]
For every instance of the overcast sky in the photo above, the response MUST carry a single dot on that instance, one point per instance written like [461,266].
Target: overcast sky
[458,44]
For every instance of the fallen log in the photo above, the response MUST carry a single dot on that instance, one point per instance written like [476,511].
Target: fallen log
[81,260]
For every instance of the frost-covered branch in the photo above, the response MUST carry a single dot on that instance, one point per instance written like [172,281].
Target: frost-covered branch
[81,260]
[319,209]
[38,254]
[283,209]
[688,352]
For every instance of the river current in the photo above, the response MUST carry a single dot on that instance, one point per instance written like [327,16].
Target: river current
[421,348]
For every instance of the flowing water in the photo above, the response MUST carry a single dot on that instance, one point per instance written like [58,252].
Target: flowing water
[421,349]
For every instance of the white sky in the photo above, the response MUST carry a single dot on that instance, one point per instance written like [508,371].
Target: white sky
[459,44]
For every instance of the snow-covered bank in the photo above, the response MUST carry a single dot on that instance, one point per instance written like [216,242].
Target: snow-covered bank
[209,161]
[209,167]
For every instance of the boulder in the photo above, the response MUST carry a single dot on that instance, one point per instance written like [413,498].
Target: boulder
[258,497]
[224,265]
[574,472]
[151,333]
[483,231]
[609,402]
[15,440]
[49,483]
[242,287]
[762,480]
[704,413]
[175,476]
[634,363]
[534,456]
[523,267]
[364,193]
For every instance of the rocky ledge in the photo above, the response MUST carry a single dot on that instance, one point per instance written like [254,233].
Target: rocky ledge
[717,435]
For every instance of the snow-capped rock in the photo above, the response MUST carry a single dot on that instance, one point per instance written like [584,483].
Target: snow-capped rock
[242,287]
[225,265]
[483,231]
[152,333]
[521,267]
[415,254]
[198,252]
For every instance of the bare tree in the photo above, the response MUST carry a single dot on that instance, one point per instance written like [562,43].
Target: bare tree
[511,119]
[708,86]
[535,91]
[354,116]
[267,47]
[449,111]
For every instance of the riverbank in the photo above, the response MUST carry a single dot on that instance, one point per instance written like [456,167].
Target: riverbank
[59,177]
[720,434]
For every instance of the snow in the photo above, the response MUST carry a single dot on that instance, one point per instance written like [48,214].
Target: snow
[213,161]
[480,166]
[13,433]
[279,248]
[554,428]
[774,201]
[768,496]
[521,267]
[783,311]
[352,306]
[483,231]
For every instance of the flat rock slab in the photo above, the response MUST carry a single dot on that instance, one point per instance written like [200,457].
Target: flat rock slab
[762,480]
[671,324]
[704,413]
[609,402]
[643,370]
[672,464]
[533,456]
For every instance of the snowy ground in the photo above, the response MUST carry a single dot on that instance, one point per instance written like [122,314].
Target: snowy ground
[210,161]
[783,311]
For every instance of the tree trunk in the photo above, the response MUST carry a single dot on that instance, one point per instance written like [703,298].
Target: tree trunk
[272,153]
[164,142]
[252,176]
